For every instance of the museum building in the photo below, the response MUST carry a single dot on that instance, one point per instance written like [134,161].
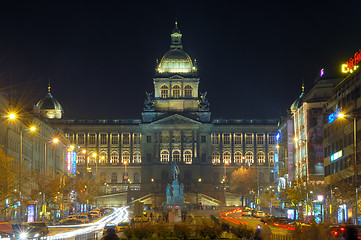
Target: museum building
[131,158]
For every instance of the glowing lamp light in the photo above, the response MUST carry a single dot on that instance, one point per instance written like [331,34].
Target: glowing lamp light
[55,140]
[83,151]
[320,197]
[12,116]
[94,155]
[32,129]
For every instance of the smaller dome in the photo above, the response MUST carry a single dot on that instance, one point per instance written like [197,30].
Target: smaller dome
[49,107]
[297,103]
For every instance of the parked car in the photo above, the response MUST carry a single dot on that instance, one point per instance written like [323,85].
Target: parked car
[73,221]
[5,236]
[259,214]
[83,218]
[94,214]
[6,227]
[41,225]
[122,226]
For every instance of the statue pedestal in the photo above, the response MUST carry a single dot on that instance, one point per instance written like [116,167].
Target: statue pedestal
[175,195]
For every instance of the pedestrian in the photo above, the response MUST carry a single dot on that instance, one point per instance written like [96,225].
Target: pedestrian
[110,235]
[258,233]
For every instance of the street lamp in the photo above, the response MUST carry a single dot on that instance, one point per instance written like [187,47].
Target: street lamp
[343,116]
[12,117]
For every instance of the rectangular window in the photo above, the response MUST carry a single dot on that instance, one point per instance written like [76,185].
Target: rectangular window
[271,139]
[149,139]
[215,138]
[126,138]
[203,139]
[81,138]
[92,139]
[226,138]
[136,138]
[260,138]
[103,138]
[149,157]
[71,137]
[249,138]
[115,138]
[238,138]
[204,157]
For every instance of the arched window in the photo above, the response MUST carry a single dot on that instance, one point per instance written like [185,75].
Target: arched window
[237,157]
[126,158]
[187,157]
[136,177]
[92,157]
[261,158]
[188,91]
[114,178]
[215,158]
[164,156]
[176,156]
[226,158]
[271,157]
[176,91]
[249,157]
[137,158]
[114,158]
[164,92]
[103,158]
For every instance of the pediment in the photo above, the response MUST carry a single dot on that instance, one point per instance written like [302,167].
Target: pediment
[176,77]
[176,119]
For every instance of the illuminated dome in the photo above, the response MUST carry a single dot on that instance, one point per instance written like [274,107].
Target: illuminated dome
[176,61]
[49,107]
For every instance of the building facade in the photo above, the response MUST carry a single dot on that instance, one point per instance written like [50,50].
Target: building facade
[134,156]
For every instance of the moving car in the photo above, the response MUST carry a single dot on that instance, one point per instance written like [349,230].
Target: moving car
[122,226]
[109,225]
[83,218]
[73,221]
[247,213]
[339,232]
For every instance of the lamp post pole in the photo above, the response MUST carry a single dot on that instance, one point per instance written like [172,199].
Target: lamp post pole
[355,156]
[20,173]
[44,182]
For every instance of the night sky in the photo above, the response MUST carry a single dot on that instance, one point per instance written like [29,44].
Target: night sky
[100,56]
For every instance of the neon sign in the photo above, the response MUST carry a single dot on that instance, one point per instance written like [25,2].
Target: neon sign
[68,160]
[336,156]
[333,116]
[351,64]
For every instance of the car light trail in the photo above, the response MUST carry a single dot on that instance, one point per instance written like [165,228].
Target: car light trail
[119,215]
[225,216]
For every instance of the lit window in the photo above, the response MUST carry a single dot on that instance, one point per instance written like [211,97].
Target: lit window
[92,157]
[237,157]
[226,138]
[260,157]
[215,158]
[249,157]
[215,138]
[115,138]
[80,159]
[114,158]
[126,138]
[188,91]
[176,156]
[188,157]
[176,91]
[260,138]
[226,158]
[92,138]
[136,138]
[125,157]
[103,158]
[237,138]
[271,139]
[249,138]
[103,138]
[164,92]
[81,139]
[137,158]
[271,157]
[164,156]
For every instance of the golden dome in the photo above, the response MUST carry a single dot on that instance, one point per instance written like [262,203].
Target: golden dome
[176,61]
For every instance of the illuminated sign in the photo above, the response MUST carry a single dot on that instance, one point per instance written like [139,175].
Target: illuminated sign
[322,71]
[73,162]
[336,156]
[278,136]
[68,160]
[333,116]
[351,64]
